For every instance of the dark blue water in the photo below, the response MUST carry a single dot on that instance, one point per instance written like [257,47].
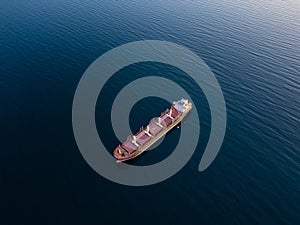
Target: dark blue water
[252,46]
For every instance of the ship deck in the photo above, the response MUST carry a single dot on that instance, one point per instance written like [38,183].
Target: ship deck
[158,133]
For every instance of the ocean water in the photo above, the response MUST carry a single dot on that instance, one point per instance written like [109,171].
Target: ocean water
[253,48]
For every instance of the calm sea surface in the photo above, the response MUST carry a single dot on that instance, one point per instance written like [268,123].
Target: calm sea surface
[253,48]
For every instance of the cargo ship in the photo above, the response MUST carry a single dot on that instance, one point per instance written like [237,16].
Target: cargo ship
[141,141]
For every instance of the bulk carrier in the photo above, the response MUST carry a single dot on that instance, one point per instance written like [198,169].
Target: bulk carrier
[138,143]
